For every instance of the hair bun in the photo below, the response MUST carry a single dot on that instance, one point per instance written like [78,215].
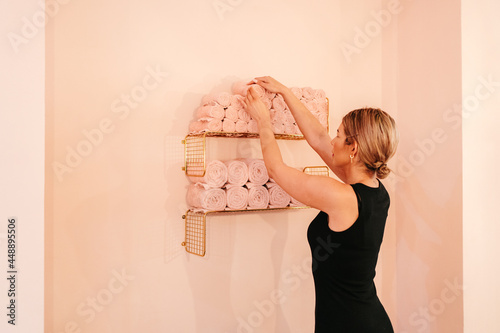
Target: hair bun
[383,171]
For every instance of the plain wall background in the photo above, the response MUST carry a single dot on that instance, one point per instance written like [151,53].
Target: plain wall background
[481,117]
[22,148]
[113,227]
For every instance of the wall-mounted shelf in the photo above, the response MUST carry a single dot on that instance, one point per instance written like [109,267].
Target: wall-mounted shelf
[195,221]
[195,148]
[195,166]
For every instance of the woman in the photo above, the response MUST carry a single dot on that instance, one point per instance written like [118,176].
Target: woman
[345,236]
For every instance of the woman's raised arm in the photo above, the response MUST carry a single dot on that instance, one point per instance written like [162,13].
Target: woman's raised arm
[315,134]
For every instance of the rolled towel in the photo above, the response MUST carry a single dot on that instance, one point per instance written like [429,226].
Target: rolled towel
[241,126]
[278,116]
[308,93]
[290,128]
[243,115]
[207,99]
[228,125]
[238,102]
[204,197]
[197,126]
[278,198]
[215,111]
[236,197]
[279,103]
[258,196]
[240,88]
[267,102]
[257,172]
[215,174]
[278,127]
[224,99]
[237,172]
[205,124]
[322,105]
[295,203]
[212,125]
[319,94]
[232,113]
[288,117]
[253,127]
[271,95]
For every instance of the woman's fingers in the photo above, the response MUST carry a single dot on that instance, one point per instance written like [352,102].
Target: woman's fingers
[268,83]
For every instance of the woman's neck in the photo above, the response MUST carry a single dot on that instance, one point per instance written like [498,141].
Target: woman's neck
[356,174]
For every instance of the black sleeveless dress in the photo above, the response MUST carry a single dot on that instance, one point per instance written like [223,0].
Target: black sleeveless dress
[343,267]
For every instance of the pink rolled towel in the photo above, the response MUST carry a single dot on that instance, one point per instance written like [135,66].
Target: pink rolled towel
[215,111]
[204,197]
[296,203]
[232,113]
[257,172]
[228,125]
[258,196]
[196,126]
[308,93]
[243,115]
[237,101]
[278,198]
[271,95]
[240,88]
[278,116]
[319,94]
[253,127]
[278,127]
[241,126]
[224,99]
[237,172]
[290,128]
[205,124]
[267,102]
[279,103]
[236,197]
[215,174]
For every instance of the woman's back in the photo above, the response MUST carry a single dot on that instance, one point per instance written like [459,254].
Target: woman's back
[344,267]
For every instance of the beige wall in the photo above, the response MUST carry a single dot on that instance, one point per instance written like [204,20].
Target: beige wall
[115,200]
[481,100]
[22,147]
[429,192]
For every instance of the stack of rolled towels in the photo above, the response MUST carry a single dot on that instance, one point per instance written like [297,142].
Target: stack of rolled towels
[235,185]
[225,112]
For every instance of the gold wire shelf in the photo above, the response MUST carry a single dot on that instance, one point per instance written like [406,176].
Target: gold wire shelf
[195,146]
[196,221]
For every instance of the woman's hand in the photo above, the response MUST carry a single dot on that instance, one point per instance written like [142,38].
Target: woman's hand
[256,108]
[270,84]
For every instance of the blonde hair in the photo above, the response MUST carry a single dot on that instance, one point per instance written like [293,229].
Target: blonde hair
[376,134]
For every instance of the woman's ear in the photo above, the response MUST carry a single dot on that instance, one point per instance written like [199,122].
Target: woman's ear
[354,147]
